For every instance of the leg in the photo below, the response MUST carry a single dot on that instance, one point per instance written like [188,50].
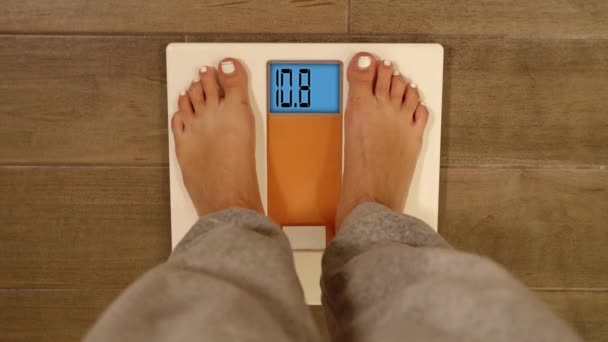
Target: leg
[232,276]
[388,276]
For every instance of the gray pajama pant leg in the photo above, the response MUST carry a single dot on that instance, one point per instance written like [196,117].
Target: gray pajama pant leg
[390,277]
[232,278]
[386,277]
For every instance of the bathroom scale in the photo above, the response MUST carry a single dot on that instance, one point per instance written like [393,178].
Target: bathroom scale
[298,95]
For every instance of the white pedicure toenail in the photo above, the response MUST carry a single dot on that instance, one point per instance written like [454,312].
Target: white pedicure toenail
[423,104]
[413,85]
[196,79]
[364,62]
[182,93]
[396,73]
[227,67]
[203,69]
[387,62]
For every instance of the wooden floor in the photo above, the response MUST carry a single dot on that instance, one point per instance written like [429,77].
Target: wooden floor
[84,197]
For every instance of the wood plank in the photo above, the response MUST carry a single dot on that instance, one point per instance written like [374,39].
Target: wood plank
[79,99]
[50,315]
[75,227]
[506,102]
[509,101]
[172,16]
[525,102]
[485,17]
[319,316]
[548,227]
[517,102]
[587,312]
[81,227]
[66,315]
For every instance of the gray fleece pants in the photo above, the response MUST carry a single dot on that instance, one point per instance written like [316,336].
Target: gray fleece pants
[386,277]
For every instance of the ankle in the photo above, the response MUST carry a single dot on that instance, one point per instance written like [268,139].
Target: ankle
[346,207]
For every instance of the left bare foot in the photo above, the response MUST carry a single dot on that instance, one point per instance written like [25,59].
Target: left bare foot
[215,140]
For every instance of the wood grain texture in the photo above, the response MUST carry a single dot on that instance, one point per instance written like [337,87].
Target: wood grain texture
[525,102]
[75,227]
[80,99]
[81,227]
[50,315]
[587,312]
[486,17]
[548,227]
[66,315]
[319,316]
[125,16]
[507,102]
[520,102]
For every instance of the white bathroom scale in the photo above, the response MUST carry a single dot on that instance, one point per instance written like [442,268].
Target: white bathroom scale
[298,94]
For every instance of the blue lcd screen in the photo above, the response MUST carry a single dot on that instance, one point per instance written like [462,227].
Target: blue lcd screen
[304,87]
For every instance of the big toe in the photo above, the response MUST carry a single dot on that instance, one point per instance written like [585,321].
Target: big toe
[361,74]
[233,79]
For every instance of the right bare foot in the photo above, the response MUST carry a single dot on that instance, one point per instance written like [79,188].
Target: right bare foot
[384,127]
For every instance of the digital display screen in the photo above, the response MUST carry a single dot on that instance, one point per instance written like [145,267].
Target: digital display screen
[304,87]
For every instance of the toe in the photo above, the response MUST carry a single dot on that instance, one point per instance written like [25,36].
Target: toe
[383,81]
[211,87]
[233,79]
[177,125]
[412,99]
[361,73]
[398,85]
[195,92]
[421,117]
[185,106]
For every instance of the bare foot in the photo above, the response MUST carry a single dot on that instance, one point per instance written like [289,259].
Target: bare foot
[215,140]
[384,127]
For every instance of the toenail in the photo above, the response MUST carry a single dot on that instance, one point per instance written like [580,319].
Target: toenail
[396,73]
[413,85]
[423,104]
[183,93]
[364,62]
[203,69]
[227,67]
[387,62]
[196,79]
